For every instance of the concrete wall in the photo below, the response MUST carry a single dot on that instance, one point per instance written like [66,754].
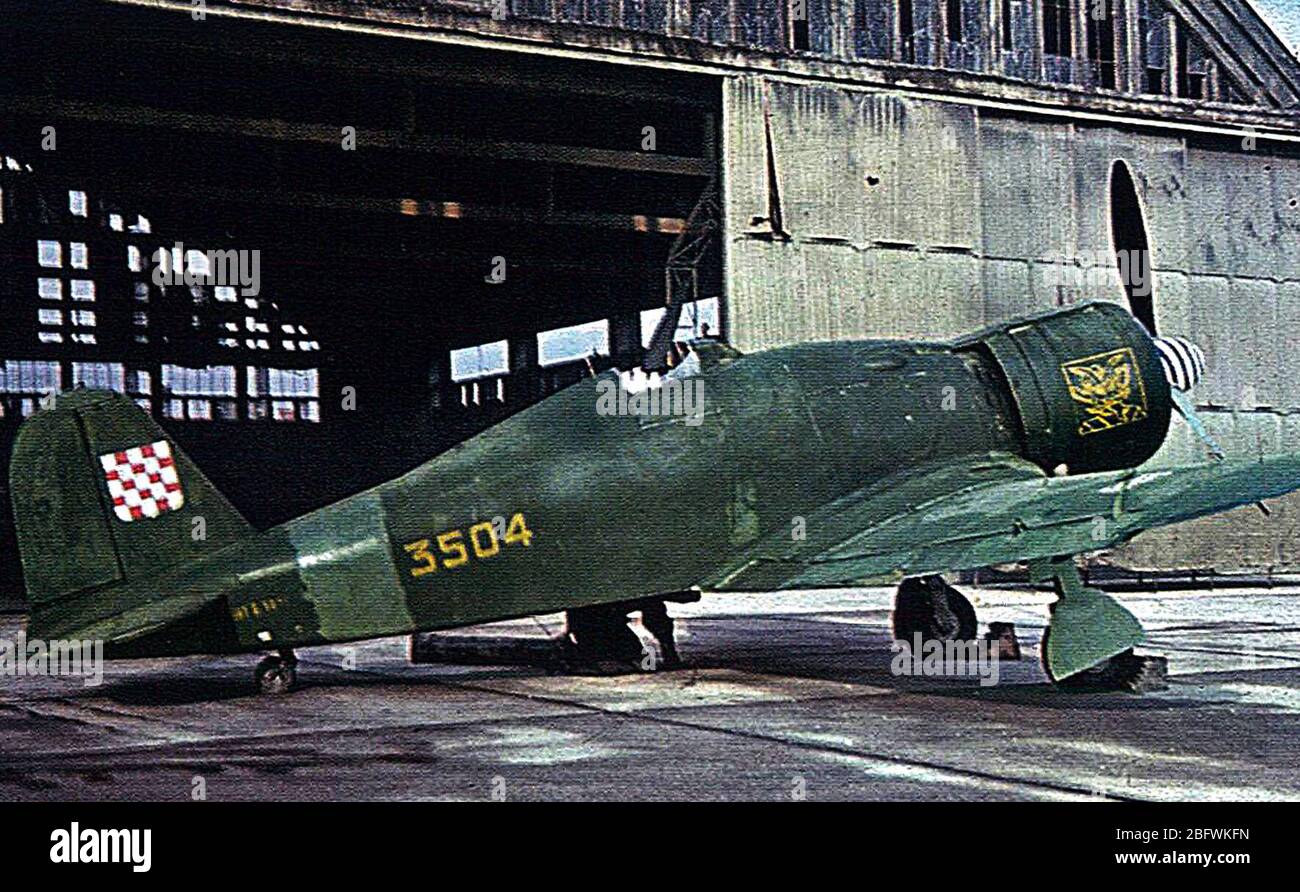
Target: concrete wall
[923,218]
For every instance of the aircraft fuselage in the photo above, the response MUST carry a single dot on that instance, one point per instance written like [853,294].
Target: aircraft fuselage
[565,505]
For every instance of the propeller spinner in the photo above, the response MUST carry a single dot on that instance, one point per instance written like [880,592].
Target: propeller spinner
[1184,362]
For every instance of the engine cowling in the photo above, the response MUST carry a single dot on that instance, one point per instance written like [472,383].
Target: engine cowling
[1087,383]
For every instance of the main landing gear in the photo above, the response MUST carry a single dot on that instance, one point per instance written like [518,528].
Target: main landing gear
[1126,671]
[599,635]
[277,674]
[1088,645]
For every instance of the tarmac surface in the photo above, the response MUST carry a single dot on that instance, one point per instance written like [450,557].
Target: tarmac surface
[785,696]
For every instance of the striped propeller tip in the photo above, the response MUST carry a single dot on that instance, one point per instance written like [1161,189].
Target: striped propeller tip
[1183,361]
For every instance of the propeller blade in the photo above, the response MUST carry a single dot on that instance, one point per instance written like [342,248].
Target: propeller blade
[1128,232]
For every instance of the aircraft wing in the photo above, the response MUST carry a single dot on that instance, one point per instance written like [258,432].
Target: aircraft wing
[997,509]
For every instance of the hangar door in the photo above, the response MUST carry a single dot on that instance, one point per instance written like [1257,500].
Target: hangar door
[443,235]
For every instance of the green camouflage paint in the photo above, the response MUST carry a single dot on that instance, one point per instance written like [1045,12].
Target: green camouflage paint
[898,458]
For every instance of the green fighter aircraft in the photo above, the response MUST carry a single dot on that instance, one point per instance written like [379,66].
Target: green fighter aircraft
[814,465]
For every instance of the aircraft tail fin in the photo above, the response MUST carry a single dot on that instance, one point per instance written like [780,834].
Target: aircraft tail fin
[101,496]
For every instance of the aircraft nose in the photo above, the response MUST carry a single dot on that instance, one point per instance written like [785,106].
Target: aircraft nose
[1184,362]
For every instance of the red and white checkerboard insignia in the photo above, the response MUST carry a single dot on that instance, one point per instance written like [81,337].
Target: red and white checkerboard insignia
[143,481]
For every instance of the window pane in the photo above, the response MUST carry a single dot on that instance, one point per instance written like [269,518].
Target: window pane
[217,380]
[479,361]
[49,254]
[293,382]
[100,375]
[699,319]
[574,342]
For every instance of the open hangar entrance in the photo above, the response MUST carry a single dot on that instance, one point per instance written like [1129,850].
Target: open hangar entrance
[457,229]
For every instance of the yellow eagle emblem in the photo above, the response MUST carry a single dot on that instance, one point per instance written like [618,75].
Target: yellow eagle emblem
[1109,387]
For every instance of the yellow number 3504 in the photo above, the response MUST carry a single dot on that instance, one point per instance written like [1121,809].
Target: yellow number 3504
[483,539]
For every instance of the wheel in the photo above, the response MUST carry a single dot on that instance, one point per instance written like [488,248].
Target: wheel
[276,676]
[1123,672]
[933,608]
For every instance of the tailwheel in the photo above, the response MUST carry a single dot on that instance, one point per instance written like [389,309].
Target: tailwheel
[277,674]
[1126,671]
[930,607]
